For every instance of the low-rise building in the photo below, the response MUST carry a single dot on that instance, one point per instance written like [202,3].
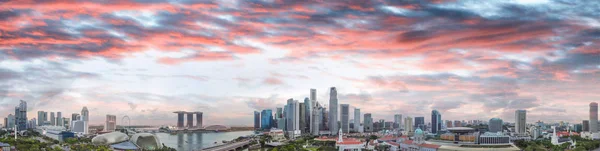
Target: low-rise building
[418,143]
[493,138]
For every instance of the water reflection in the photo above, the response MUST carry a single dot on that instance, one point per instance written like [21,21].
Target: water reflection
[197,141]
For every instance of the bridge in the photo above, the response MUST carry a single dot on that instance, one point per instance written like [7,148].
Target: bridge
[229,146]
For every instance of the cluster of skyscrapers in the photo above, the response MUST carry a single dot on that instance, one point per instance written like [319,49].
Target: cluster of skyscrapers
[310,117]
[19,121]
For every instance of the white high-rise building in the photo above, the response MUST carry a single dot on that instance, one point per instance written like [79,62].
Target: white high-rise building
[52,119]
[357,120]
[520,119]
[85,116]
[593,117]
[111,123]
[317,116]
[79,126]
[314,127]
[398,119]
[408,124]
[333,111]
[59,119]
[42,117]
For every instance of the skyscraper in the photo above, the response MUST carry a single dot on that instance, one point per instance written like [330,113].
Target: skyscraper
[266,116]
[408,124]
[10,121]
[42,117]
[368,123]
[292,115]
[420,122]
[436,121]
[52,119]
[333,111]
[495,125]
[21,115]
[302,118]
[85,117]
[74,116]
[256,120]
[398,119]
[520,119]
[313,94]
[345,113]
[314,113]
[594,117]
[280,118]
[111,123]
[585,126]
[316,119]
[59,119]
[308,107]
[356,120]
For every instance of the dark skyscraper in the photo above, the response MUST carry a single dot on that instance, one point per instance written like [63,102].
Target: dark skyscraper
[436,121]
[256,120]
[586,125]
[266,117]
[420,123]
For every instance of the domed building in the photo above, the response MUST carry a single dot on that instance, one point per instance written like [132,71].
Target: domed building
[418,143]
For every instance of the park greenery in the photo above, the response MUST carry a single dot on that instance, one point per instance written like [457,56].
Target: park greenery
[581,144]
[34,141]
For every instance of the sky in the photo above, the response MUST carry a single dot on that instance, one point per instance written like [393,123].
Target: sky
[469,59]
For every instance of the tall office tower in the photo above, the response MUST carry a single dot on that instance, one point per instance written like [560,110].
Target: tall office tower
[593,117]
[368,123]
[42,117]
[256,120]
[345,113]
[314,105]
[74,116]
[280,118]
[21,115]
[85,117]
[408,124]
[381,124]
[10,121]
[398,119]
[449,124]
[52,119]
[585,126]
[302,118]
[356,120]
[266,117]
[324,119]
[436,121]
[420,123]
[316,120]
[457,123]
[5,123]
[308,107]
[520,119]
[292,115]
[313,94]
[111,123]
[495,125]
[59,121]
[333,111]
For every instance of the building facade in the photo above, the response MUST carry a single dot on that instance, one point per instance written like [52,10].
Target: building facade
[256,120]
[111,123]
[266,116]
[593,117]
[368,123]
[59,121]
[436,121]
[493,138]
[42,117]
[345,113]
[333,111]
[586,125]
[85,116]
[420,123]
[408,124]
[495,125]
[520,120]
[356,119]
[398,119]
[21,115]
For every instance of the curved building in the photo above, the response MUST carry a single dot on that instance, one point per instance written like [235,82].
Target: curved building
[593,117]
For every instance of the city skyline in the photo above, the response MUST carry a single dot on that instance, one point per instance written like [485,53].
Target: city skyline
[465,59]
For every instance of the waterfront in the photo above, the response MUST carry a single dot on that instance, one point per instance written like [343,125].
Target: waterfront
[197,140]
